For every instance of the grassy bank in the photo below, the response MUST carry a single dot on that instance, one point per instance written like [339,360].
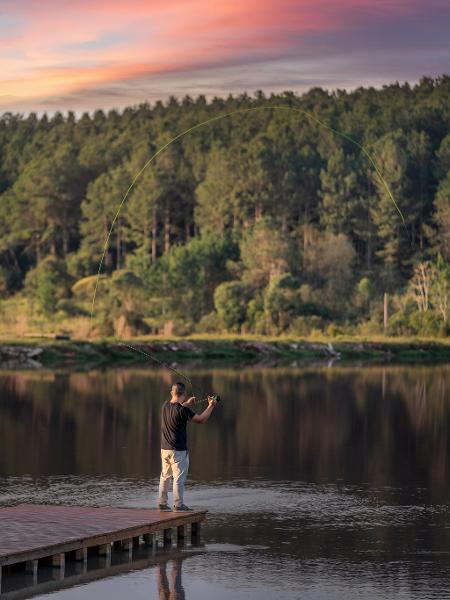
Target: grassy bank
[53,353]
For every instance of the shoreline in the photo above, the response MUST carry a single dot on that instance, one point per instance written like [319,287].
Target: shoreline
[41,353]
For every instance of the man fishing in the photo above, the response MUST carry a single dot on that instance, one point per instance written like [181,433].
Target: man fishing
[175,414]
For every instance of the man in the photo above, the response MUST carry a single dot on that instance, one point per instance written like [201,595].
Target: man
[175,413]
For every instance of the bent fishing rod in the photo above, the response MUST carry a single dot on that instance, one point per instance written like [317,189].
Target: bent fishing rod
[205,396]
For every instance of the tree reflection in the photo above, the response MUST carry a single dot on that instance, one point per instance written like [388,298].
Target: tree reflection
[380,425]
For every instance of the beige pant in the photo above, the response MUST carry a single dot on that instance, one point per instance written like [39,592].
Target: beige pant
[175,463]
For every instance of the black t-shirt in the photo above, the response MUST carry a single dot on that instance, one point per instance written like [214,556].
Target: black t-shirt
[174,417]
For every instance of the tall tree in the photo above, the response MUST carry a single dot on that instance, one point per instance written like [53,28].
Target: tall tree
[392,163]
[99,210]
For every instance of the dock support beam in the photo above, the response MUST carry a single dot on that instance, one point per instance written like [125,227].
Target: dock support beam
[128,545]
[81,554]
[31,566]
[181,534]
[105,550]
[167,537]
[59,560]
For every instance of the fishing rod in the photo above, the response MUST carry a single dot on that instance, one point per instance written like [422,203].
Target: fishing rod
[215,397]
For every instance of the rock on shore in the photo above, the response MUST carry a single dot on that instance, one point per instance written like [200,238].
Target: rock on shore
[12,357]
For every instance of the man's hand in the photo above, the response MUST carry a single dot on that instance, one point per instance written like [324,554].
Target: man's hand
[189,401]
[211,401]
[205,414]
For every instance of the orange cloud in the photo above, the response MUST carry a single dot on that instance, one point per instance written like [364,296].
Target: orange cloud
[54,47]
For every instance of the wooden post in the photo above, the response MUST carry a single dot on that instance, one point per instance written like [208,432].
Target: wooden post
[181,534]
[32,567]
[59,560]
[105,550]
[82,555]
[167,537]
[35,567]
[0,579]
[128,545]
[385,311]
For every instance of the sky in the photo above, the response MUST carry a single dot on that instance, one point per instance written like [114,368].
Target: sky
[82,55]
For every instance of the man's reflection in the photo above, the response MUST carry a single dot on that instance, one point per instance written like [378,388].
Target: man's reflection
[175,591]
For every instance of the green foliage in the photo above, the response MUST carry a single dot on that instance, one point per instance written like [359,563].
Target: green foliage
[442,216]
[265,252]
[304,326]
[415,323]
[364,293]
[230,301]
[48,283]
[208,323]
[233,212]
[281,301]
[329,265]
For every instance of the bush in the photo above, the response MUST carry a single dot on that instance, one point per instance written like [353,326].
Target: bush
[304,326]
[70,308]
[254,319]
[399,325]
[230,300]
[9,281]
[334,330]
[281,301]
[208,323]
[49,282]
[425,323]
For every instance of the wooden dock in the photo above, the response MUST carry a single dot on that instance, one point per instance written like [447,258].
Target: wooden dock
[34,535]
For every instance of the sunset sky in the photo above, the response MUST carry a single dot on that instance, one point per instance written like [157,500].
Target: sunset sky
[87,54]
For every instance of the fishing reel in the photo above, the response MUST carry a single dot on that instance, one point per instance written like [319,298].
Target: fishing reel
[215,397]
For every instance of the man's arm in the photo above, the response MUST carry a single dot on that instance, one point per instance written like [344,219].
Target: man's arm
[189,401]
[204,416]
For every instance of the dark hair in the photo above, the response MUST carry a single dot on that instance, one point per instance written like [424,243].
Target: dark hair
[179,388]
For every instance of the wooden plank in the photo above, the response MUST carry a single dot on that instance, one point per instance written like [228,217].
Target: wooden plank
[31,531]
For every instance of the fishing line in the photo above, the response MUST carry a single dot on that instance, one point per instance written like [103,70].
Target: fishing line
[167,366]
[217,118]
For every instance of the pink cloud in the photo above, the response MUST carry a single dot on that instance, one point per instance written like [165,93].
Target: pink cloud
[62,46]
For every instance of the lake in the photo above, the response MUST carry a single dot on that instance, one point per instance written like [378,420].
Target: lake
[320,482]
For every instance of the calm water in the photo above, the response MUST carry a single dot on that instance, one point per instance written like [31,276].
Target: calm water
[322,483]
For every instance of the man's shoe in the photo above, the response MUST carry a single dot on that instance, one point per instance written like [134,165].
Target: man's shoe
[182,508]
[163,507]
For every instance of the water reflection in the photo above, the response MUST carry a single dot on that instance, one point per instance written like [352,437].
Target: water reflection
[377,425]
[19,583]
[174,590]
[321,483]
